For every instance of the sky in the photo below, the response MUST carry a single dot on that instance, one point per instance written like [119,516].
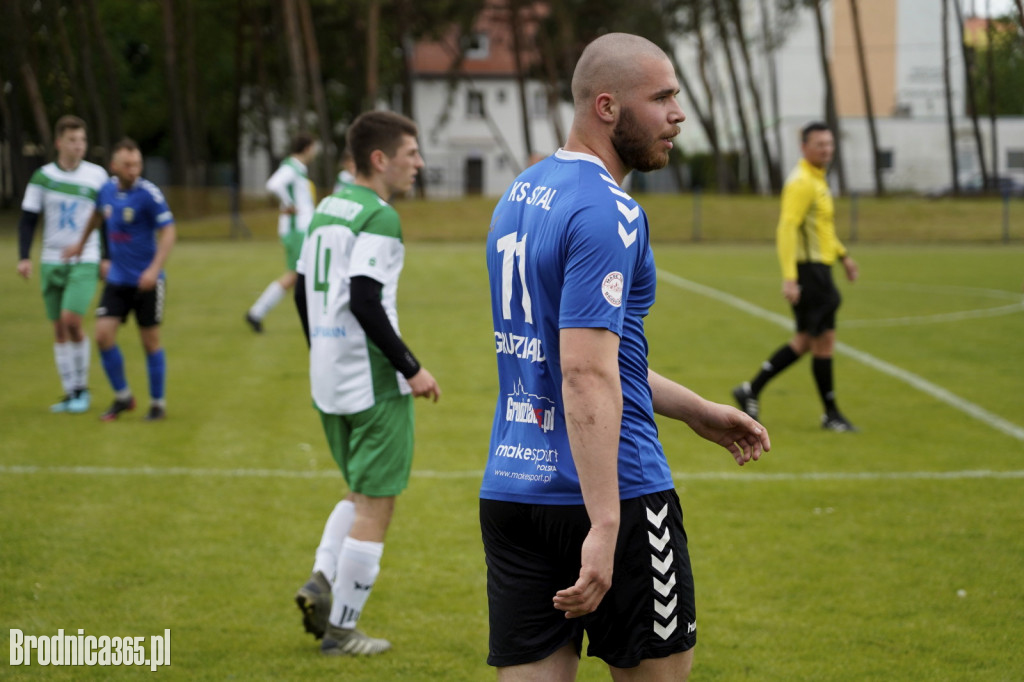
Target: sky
[999,7]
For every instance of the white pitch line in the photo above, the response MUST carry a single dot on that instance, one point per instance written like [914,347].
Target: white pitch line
[939,317]
[29,470]
[920,383]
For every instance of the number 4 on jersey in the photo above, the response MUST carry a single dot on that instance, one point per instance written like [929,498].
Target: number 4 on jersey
[510,249]
[320,282]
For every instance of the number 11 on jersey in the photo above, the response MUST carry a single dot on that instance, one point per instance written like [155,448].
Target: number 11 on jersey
[510,249]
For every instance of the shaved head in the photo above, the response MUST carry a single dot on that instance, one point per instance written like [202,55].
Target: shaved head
[611,64]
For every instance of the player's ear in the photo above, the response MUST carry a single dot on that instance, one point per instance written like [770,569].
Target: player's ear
[378,160]
[606,108]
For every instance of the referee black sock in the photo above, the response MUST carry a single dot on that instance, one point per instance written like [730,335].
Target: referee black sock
[780,360]
[822,368]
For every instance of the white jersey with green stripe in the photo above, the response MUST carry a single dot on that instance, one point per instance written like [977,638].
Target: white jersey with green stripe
[353,233]
[67,200]
[291,185]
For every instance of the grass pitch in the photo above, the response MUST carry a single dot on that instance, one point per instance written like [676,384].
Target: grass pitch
[890,554]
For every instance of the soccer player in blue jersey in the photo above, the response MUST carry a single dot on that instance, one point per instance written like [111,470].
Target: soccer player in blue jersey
[140,236]
[582,528]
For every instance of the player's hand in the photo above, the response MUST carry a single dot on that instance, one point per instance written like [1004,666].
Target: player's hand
[288,210]
[852,271]
[71,251]
[25,268]
[597,559]
[744,438]
[148,279]
[104,268]
[424,385]
[791,291]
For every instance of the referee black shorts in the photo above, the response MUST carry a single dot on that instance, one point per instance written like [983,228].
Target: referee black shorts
[815,312]
[119,300]
[533,551]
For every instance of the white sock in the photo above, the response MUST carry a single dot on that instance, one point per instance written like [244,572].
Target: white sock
[65,366]
[358,566]
[270,297]
[335,531]
[80,361]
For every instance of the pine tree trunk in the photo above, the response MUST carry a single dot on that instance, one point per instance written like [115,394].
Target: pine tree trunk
[734,82]
[831,117]
[323,119]
[180,161]
[866,88]
[971,99]
[950,123]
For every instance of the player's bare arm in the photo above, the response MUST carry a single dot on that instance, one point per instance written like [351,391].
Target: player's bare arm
[744,438]
[850,265]
[149,276]
[95,220]
[592,395]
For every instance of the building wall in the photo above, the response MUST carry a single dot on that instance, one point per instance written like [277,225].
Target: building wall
[453,134]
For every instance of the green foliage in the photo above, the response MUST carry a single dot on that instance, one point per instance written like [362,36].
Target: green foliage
[1008,71]
[832,559]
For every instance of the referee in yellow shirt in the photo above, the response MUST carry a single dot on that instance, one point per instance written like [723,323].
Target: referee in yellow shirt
[808,246]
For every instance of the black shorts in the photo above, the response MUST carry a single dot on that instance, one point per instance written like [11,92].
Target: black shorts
[118,300]
[533,551]
[815,312]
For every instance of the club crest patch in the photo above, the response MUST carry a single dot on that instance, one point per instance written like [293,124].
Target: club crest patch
[611,288]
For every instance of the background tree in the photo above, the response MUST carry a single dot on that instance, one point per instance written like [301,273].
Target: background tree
[947,86]
[972,106]
[865,82]
[831,118]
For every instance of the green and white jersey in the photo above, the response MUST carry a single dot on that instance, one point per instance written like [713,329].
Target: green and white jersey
[291,185]
[67,200]
[353,233]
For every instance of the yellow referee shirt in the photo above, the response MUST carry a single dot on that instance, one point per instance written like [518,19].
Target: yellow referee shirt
[807,229]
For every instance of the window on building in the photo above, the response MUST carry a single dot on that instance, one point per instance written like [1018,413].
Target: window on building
[474,104]
[540,103]
[477,45]
[885,159]
[1015,159]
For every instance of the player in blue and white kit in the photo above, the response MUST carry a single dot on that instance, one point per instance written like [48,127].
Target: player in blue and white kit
[140,236]
[577,482]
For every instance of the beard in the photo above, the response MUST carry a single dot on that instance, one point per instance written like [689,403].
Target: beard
[635,146]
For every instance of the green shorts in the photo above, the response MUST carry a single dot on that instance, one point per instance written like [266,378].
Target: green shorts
[373,448]
[68,286]
[292,248]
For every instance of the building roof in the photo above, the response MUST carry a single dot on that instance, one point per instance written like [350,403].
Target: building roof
[489,50]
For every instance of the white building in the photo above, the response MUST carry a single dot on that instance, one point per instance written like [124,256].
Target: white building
[470,116]
[903,51]
[472,132]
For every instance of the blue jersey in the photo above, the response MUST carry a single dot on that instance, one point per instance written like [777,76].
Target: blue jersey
[567,248]
[133,217]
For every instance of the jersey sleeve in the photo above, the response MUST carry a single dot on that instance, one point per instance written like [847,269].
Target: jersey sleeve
[33,200]
[797,197]
[161,212]
[278,184]
[601,251]
[371,253]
